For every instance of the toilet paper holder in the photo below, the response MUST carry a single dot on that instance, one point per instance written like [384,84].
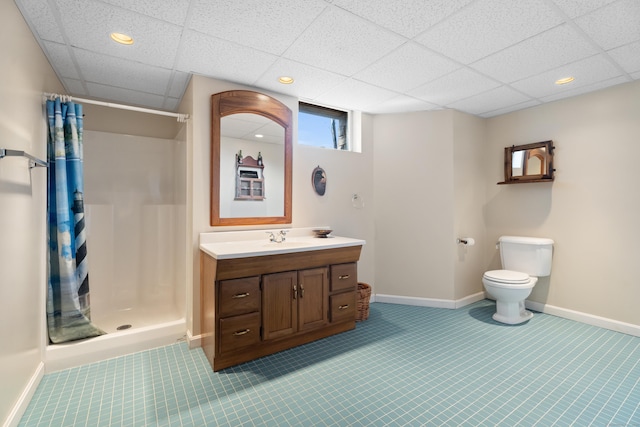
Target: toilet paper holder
[468,241]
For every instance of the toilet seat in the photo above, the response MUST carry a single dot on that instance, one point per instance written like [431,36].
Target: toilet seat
[508,278]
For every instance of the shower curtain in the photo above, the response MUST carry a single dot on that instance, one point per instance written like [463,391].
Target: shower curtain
[68,311]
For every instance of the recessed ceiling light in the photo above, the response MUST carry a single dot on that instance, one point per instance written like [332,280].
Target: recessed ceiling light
[121,38]
[285,80]
[564,81]
[258,135]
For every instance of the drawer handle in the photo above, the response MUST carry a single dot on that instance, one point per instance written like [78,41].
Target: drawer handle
[246,294]
[246,331]
[343,307]
[344,276]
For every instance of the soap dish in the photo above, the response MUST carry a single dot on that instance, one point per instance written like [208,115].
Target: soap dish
[322,233]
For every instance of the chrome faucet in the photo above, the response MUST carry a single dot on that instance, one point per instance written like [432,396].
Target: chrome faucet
[279,238]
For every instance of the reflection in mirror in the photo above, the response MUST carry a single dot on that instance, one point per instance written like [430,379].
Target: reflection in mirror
[254,136]
[252,125]
[528,163]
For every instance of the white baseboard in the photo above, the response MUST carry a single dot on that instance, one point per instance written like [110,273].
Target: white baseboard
[25,397]
[428,302]
[193,341]
[589,319]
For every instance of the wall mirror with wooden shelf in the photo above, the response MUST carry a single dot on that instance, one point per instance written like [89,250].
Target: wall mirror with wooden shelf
[528,163]
[237,118]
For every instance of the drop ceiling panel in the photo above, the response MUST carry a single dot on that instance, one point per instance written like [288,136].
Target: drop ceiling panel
[173,11]
[271,26]
[407,67]
[613,25]
[310,82]
[340,42]
[203,54]
[122,73]
[499,98]
[405,17]
[124,96]
[575,8]
[584,89]
[511,108]
[76,87]
[487,26]
[356,95]
[454,86]
[61,54]
[401,104]
[627,56]
[179,83]
[156,42]
[558,46]
[586,72]
[42,20]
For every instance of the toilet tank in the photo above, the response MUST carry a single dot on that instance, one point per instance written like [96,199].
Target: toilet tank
[531,255]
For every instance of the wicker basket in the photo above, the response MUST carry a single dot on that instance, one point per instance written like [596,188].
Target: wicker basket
[362,305]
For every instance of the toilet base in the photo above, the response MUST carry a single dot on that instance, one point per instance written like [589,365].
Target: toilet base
[511,313]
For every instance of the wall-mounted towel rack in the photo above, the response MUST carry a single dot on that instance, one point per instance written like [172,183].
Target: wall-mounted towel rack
[33,161]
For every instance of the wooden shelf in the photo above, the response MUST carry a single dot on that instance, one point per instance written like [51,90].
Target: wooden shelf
[526,181]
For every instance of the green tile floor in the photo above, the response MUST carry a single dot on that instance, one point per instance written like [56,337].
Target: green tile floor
[404,366]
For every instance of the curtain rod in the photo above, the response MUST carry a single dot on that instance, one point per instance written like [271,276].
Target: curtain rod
[180,117]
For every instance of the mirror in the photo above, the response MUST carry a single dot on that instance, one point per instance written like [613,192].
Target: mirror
[236,118]
[528,163]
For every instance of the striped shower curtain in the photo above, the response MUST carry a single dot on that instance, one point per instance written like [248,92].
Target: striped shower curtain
[68,312]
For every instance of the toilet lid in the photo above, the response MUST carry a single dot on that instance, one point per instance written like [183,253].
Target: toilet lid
[507,276]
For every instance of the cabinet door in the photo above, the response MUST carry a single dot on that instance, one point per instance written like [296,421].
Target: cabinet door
[279,304]
[313,290]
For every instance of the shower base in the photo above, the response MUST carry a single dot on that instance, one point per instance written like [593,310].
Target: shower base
[149,329]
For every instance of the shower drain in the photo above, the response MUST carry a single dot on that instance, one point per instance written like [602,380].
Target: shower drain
[123,327]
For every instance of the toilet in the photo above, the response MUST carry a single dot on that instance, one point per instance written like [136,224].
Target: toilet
[524,259]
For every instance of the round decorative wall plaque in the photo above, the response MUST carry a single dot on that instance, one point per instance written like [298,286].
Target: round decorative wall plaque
[319,181]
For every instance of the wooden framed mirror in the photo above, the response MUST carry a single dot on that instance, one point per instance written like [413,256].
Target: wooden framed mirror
[528,163]
[236,118]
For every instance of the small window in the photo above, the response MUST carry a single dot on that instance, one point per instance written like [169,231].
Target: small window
[323,127]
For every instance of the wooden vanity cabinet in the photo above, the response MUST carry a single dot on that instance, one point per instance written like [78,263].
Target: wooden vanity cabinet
[252,307]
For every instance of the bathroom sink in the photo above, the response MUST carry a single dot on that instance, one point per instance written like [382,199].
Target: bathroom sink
[250,248]
[285,245]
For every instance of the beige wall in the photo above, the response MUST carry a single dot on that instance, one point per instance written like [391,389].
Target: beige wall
[414,215]
[469,192]
[591,210]
[24,75]
[348,173]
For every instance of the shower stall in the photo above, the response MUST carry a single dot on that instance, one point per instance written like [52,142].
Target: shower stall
[135,211]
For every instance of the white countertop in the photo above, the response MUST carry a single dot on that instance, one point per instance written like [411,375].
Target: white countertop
[227,245]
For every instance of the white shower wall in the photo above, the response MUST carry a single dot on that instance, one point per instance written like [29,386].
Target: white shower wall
[135,213]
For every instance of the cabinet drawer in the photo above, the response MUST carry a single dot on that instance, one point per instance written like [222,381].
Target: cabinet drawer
[343,306]
[239,331]
[239,296]
[344,277]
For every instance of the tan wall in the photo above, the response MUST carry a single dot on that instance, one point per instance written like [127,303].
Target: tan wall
[469,192]
[414,215]
[24,75]
[591,210]
[126,122]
